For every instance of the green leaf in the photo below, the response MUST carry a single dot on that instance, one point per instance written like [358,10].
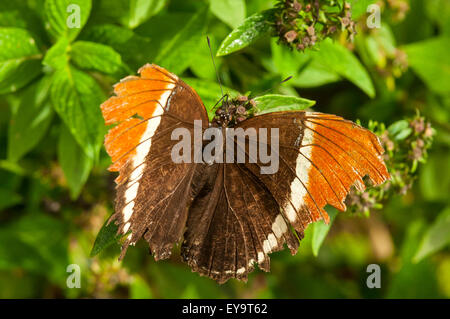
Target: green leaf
[25,244]
[76,97]
[201,64]
[132,47]
[439,11]
[139,289]
[436,237]
[31,120]
[403,134]
[359,7]
[343,62]
[413,280]
[129,13]
[177,54]
[383,43]
[66,18]
[95,56]
[396,127]
[75,164]
[171,23]
[190,292]
[57,57]
[275,103]
[320,231]
[19,15]
[429,59]
[175,281]
[14,168]
[8,198]
[434,180]
[232,12]
[288,62]
[248,32]
[209,92]
[105,238]
[140,11]
[19,59]
[400,130]
[314,74]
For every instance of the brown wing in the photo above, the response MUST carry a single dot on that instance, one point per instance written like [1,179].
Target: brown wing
[233,223]
[242,215]
[152,190]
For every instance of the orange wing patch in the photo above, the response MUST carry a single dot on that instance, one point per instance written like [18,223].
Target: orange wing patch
[124,136]
[139,96]
[341,153]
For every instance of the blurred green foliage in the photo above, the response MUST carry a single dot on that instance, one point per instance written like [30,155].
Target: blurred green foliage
[55,191]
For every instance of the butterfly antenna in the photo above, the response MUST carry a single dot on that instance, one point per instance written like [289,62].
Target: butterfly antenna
[271,89]
[217,103]
[214,63]
[286,79]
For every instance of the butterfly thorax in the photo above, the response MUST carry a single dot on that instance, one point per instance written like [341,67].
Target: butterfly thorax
[231,112]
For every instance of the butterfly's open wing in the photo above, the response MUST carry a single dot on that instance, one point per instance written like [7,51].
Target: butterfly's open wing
[152,191]
[320,157]
[243,215]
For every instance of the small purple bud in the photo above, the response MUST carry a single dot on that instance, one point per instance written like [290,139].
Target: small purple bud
[241,110]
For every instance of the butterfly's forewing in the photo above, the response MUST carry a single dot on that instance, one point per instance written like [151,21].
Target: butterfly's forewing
[152,191]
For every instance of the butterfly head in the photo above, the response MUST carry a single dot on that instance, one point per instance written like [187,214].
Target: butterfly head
[234,111]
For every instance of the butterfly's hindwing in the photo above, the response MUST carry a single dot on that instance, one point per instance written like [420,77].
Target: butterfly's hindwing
[233,225]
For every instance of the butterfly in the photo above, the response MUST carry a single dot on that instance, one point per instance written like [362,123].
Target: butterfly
[227,216]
